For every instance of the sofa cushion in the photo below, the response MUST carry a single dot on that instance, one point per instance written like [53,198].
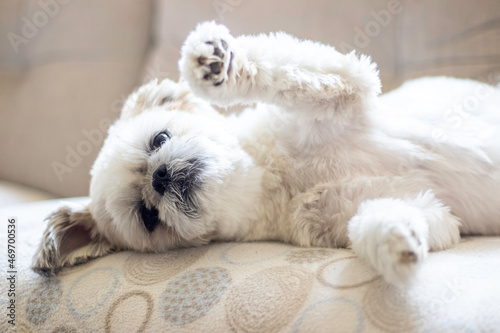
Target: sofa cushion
[65,68]
[13,193]
[247,287]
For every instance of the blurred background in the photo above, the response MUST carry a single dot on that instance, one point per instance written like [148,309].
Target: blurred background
[67,66]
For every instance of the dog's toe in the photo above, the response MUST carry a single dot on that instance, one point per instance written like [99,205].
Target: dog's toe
[408,257]
[401,253]
[214,63]
[207,56]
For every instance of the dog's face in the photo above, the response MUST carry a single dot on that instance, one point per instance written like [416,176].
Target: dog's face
[153,181]
[156,184]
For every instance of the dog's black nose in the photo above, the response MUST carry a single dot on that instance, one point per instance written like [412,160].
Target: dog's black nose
[161,173]
[161,179]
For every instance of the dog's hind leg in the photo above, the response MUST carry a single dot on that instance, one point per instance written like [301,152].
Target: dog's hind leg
[300,75]
[389,223]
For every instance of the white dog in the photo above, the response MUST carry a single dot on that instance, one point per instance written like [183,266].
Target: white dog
[321,160]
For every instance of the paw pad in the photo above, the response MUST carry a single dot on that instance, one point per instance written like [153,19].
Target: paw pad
[215,66]
[407,257]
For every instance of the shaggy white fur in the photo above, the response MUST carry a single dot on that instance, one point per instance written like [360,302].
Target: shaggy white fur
[321,160]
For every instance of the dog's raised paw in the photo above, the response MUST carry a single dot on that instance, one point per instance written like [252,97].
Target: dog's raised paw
[214,64]
[207,55]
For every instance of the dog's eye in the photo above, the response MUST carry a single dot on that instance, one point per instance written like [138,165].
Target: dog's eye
[166,99]
[159,140]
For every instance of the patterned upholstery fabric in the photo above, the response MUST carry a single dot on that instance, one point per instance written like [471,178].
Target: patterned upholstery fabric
[249,287]
[60,91]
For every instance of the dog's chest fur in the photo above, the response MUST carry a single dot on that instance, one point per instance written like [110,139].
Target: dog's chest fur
[314,183]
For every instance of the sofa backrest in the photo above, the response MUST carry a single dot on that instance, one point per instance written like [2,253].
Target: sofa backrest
[66,66]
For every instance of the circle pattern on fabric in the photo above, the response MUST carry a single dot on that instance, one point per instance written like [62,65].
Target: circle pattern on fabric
[309,256]
[268,300]
[91,291]
[193,294]
[135,304]
[348,272]
[347,309]
[147,269]
[390,308]
[238,254]
[42,300]
[77,268]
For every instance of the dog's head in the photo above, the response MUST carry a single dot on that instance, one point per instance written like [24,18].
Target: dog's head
[159,182]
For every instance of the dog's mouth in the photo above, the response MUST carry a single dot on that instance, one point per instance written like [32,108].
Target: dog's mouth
[150,218]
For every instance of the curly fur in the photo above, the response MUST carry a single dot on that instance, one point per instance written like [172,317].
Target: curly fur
[320,160]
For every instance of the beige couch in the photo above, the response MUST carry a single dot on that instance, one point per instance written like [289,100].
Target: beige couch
[64,82]
[65,68]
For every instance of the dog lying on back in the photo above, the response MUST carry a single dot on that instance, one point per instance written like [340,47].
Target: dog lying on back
[321,160]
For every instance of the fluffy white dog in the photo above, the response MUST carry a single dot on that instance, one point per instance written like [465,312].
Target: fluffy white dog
[321,160]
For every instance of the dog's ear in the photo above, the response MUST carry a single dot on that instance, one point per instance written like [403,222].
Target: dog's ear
[165,94]
[70,238]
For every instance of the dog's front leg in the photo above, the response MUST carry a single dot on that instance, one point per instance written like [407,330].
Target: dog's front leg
[278,69]
[394,235]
